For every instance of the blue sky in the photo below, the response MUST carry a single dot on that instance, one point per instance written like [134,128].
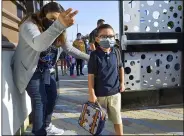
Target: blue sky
[89,13]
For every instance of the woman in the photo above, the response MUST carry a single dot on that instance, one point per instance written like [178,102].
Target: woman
[41,41]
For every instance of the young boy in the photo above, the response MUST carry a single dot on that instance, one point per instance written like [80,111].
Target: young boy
[105,77]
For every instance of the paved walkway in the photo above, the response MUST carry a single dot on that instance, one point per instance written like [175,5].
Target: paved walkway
[73,92]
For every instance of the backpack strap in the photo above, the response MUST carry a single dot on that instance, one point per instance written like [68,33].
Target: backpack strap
[118,56]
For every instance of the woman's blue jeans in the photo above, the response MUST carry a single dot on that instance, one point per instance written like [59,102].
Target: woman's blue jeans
[43,99]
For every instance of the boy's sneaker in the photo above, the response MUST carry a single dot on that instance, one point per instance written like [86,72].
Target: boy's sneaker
[82,74]
[52,130]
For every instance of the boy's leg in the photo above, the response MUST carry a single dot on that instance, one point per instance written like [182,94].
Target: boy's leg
[114,111]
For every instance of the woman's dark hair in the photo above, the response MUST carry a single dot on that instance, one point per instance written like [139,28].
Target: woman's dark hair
[38,17]
[103,26]
[50,7]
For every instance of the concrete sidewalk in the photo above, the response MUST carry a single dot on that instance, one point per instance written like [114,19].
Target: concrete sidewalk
[73,92]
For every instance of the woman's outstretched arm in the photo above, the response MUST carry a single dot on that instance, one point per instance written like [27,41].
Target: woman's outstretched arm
[37,40]
[68,48]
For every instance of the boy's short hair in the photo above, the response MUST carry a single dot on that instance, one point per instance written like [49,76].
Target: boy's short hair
[104,26]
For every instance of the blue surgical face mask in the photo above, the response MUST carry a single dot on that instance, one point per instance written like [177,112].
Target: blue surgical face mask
[107,42]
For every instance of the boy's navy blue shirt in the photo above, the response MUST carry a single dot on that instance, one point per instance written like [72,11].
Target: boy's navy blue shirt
[104,67]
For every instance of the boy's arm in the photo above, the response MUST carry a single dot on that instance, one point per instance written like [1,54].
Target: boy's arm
[92,96]
[91,75]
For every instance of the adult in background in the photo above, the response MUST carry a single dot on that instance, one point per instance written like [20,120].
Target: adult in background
[79,44]
[92,35]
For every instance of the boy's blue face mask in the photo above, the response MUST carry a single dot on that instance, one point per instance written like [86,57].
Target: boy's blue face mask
[107,42]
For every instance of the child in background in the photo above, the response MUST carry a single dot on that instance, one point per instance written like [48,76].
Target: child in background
[72,65]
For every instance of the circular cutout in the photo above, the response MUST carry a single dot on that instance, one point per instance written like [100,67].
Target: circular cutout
[158,81]
[175,15]
[127,83]
[136,28]
[158,62]
[125,61]
[150,3]
[176,57]
[171,8]
[164,11]
[179,7]
[146,12]
[138,61]
[147,28]
[177,66]
[132,54]
[142,20]
[127,70]
[141,66]
[127,18]
[155,24]
[178,29]
[143,56]
[131,77]
[132,84]
[137,81]
[167,66]
[156,14]
[170,24]
[169,58]
[178,22]
[125,27]
[132,63]
[157,72]
[149,69]
[143,76]
[173,79]
[166,1]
